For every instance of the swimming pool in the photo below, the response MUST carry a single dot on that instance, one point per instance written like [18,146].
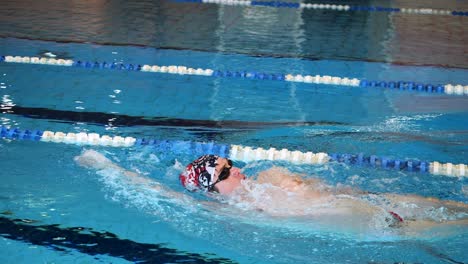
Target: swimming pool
[54,211]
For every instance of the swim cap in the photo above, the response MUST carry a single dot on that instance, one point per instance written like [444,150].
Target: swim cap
[200,173]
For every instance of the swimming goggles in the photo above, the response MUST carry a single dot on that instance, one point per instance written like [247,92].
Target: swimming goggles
[222,176]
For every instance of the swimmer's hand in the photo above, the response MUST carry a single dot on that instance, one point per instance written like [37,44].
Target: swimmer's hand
[93,160]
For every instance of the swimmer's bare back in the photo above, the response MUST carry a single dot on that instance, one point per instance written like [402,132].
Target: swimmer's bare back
[346,201]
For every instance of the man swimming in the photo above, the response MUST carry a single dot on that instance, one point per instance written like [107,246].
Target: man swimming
[279,193]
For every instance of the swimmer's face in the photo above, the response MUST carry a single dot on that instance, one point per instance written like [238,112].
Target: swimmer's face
[234,179]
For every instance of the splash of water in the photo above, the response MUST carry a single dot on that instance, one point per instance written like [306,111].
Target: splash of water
[261,208]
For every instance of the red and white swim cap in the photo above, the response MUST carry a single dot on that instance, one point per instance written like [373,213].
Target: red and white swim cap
[199,174]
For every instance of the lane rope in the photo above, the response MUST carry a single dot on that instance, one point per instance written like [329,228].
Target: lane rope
[334,7]
[451,89]
[237,152]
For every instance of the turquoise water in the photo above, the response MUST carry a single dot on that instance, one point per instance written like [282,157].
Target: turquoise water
[43,184]
[53,211]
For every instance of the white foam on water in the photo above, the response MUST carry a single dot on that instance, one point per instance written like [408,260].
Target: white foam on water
[148,196]
[401,123]
[464,189]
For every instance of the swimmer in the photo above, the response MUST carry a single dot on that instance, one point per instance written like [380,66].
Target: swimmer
[280,193]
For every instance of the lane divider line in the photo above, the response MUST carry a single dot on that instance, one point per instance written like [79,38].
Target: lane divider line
[323,6]
[451,89]
[237,152]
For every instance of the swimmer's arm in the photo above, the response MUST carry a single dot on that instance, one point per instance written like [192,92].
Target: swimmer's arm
[95,160]
[426,201]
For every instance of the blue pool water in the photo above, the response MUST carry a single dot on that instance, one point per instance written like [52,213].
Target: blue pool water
[53,211]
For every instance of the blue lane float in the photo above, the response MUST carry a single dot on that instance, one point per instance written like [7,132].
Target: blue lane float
[334,7]
[237,152]
[382,162]
[451,89]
